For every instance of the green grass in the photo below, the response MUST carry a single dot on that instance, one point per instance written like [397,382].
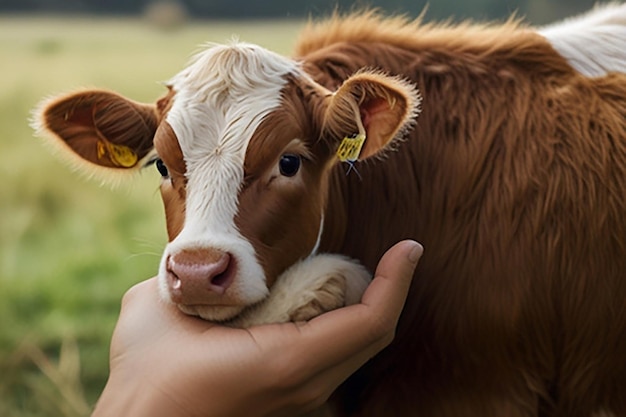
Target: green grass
[70,248]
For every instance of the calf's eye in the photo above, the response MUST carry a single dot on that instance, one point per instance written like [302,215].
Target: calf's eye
[160,166]
[289,165]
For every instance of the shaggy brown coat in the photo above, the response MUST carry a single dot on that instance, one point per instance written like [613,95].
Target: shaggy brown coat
[513,179]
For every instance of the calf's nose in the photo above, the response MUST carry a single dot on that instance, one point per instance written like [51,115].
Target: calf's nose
[198,275]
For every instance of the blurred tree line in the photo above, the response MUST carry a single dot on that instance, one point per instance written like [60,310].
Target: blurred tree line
[537,11]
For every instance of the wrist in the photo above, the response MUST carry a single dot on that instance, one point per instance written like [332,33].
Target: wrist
[127,397]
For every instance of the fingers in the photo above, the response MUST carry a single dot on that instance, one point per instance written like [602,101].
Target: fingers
[384,299]
[330,348]
[388,291]
[351,335]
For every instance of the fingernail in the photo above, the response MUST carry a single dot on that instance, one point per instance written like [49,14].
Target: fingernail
[416,252]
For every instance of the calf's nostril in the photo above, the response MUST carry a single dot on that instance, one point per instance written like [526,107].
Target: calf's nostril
[221,279]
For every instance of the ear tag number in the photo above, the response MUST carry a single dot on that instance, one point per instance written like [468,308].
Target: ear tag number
[120,155]
[350,147]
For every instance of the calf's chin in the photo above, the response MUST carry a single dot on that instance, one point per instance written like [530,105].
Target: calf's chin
[212,313]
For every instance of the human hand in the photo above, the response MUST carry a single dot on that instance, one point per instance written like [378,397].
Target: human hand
[165,363]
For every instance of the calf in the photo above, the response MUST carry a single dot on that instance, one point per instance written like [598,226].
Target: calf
[512,177]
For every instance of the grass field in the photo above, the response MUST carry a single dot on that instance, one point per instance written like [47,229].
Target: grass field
[70,248]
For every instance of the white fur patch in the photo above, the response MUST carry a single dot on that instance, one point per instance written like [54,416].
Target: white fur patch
[299,285]
[593,43]
[221,98]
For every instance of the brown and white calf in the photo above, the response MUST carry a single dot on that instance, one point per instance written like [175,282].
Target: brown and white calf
[513,177]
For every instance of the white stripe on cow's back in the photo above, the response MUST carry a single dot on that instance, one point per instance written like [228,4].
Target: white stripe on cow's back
[221,98]
[593,43]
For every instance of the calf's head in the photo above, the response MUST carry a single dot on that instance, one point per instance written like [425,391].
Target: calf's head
[244,141]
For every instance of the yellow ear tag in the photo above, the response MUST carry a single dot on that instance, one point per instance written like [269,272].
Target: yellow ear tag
[350,147]
[120,155]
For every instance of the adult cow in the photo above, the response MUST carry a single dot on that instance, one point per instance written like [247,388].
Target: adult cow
[513,178]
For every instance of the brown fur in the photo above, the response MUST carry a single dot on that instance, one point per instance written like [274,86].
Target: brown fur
[173,189]
[513,180]
[282,218]
[84,118]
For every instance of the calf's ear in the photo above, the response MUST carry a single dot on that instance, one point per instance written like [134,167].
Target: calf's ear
[376,105]
[100,132]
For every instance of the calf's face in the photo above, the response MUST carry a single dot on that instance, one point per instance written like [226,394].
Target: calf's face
[244,141]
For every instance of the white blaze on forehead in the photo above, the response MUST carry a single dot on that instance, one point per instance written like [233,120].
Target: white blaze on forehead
[221,98]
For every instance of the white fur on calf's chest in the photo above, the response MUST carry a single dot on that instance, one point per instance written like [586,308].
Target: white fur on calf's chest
[310,287]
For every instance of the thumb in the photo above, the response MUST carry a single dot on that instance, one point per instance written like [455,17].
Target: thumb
[361,330]
[389,289]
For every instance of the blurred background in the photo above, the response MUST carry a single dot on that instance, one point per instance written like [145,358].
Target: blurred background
[537,10]
[69,247]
